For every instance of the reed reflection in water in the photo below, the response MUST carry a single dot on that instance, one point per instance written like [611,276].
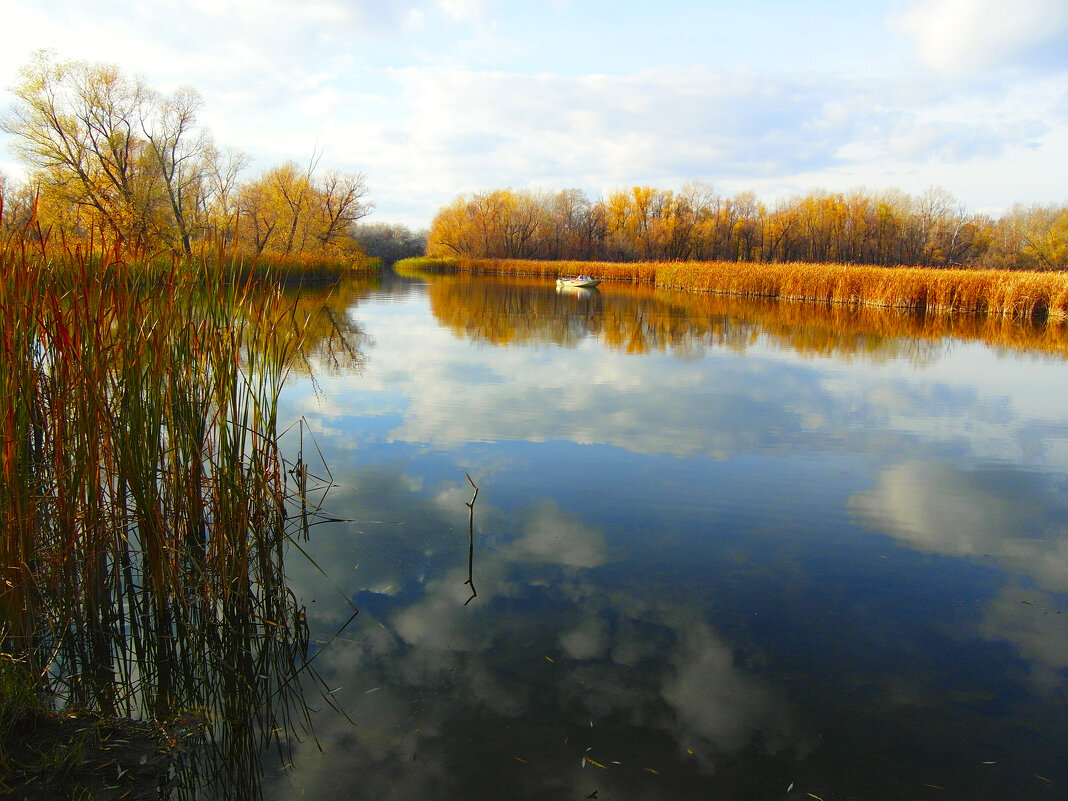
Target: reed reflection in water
[640,319]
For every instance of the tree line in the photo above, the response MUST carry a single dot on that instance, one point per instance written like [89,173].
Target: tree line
[390,242]
[109,157]
[696,223]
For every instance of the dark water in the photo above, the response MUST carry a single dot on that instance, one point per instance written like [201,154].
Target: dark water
[721,551]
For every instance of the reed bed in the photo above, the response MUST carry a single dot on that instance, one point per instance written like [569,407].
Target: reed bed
[301,269]
[145,505]
[1018,295]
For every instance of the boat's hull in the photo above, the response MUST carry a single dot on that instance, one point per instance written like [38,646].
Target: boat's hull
[578,283]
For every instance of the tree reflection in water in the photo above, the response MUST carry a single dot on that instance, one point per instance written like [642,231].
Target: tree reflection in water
[642,319]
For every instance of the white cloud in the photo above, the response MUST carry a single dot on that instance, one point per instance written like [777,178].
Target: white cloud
[1023,618]
[466,9]
[588,640]
[551,537]
[736,128]
[959,36]
[717,702]
[431,98]
[998,514]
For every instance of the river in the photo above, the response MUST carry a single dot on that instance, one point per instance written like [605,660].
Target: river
[719,550]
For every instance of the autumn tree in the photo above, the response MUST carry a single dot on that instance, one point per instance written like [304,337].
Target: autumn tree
[450,232]
[17,203]
[78,127]
[291,211]
[573,226]
[340,200]
[220,195]
[182,155]
[1035,236]
[885,228]
[498,224]
[109,152]
[105,152]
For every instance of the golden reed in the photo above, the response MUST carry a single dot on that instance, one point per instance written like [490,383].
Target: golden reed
[1017,294]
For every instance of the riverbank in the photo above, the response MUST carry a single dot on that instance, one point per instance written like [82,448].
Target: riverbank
[1020,295]
[61,755]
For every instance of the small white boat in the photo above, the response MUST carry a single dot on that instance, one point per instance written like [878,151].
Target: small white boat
[579,282]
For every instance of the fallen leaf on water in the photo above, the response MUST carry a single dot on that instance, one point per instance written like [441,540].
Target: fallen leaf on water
[650,770]
[520,759]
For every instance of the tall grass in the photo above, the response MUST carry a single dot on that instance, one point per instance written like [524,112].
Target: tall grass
[1016,294]
[145,506]
[299,269]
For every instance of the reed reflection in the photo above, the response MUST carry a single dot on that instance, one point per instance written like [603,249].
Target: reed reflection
[641,319]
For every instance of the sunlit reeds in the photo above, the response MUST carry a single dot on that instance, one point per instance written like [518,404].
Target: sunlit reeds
[1016,294]
[299,268]
[145,505]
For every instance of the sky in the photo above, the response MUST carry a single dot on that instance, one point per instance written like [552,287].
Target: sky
[430,99]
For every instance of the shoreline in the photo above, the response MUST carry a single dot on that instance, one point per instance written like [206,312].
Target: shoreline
[1035,297]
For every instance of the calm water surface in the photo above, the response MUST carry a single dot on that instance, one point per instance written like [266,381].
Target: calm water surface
[720,552]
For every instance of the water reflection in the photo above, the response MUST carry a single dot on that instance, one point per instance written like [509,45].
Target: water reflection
[640,319]
[720,551]
[320,322]
[547,680]
[1014,519]
[1013,516]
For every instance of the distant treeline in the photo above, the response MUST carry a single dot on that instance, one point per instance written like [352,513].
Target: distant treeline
[697,224]
[389,242]
[111,159]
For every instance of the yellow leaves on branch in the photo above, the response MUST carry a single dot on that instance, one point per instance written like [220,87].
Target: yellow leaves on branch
[111,158]
[888,228]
